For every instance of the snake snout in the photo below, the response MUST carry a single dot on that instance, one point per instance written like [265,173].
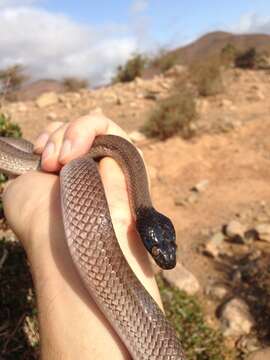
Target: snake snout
[166,257]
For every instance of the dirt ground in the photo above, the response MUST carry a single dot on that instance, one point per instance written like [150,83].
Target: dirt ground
[231,151]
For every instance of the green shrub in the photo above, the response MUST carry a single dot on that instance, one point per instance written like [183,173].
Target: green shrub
[207,77]
[199,341]
[132,69]
[8,128]
[74,84]
[172,116]
[246,59]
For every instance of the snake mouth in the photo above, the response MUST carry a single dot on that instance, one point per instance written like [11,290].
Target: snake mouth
[166,261]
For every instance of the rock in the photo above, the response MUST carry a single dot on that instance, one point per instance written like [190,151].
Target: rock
[260,355]
[51,116]
[259,95]
[133,105]
[21,107]
[235,230]
[251,235]
[217,292]
[47,99]
[263,231]
[182,279]
[111,97]
[226,103]
[139,82]
[180,201]
[202,106]
[201,186]
[68,105]
[236,318]
[150,96]
[175,71]
[248,344]
[192,198]
[214,245]
[136,136]
[153,173]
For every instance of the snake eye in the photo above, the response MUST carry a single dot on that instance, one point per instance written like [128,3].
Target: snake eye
[155,251]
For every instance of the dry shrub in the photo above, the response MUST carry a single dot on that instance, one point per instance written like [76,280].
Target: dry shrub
[207,77]
[246,59]
[164,61]
[74,84]
[252,59]
[11,79]
[132,69]
[172,116]
[228,55]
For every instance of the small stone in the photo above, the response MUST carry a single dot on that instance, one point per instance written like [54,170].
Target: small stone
[68,105]
[150,96]
[263,232]
[217,292]
[235,230]
[180,201]
[193,198]
[251,235]
[201,186]
[51,116]
[263,354]
[248,344]
[183,279]
[153,173]
[214,245]
[175,71]
[136,136]
[47,99]
[226,103]
[21,107]
[236,318]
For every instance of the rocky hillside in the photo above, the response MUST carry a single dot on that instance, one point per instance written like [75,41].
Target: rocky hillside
[212,43]
[215,187]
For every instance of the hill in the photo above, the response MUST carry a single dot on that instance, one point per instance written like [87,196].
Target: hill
[212,43]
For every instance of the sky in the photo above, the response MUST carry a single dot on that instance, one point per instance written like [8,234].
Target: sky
[89,39]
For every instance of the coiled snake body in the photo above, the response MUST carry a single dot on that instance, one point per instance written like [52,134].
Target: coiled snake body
[94,248]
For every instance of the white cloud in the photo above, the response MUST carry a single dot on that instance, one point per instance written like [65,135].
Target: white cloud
[252,23]
[53,46]
[139,6]
[10,3]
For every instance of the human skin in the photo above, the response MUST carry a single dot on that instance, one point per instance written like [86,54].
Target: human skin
[71,325]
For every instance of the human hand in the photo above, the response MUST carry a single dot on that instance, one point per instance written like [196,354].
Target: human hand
[67,314]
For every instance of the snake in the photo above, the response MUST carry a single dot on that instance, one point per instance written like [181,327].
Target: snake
[94,248]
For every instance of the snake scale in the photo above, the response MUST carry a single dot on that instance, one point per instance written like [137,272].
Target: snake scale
[93,246]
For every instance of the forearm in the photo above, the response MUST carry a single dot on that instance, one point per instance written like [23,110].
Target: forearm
[71,325]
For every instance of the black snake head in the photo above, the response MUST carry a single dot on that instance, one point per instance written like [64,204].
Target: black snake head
[158,235]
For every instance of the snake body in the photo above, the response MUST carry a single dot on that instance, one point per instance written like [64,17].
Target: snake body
[93,246]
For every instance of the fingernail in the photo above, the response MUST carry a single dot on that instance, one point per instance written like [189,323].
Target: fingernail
[49,150]
[65,150]
[41,140]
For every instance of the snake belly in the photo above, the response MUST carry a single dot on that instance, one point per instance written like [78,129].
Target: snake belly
[94,248]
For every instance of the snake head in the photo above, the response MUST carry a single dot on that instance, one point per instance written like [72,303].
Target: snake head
[158,235]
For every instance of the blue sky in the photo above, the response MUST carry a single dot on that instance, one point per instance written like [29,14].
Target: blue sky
[166,19]
[57,38]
